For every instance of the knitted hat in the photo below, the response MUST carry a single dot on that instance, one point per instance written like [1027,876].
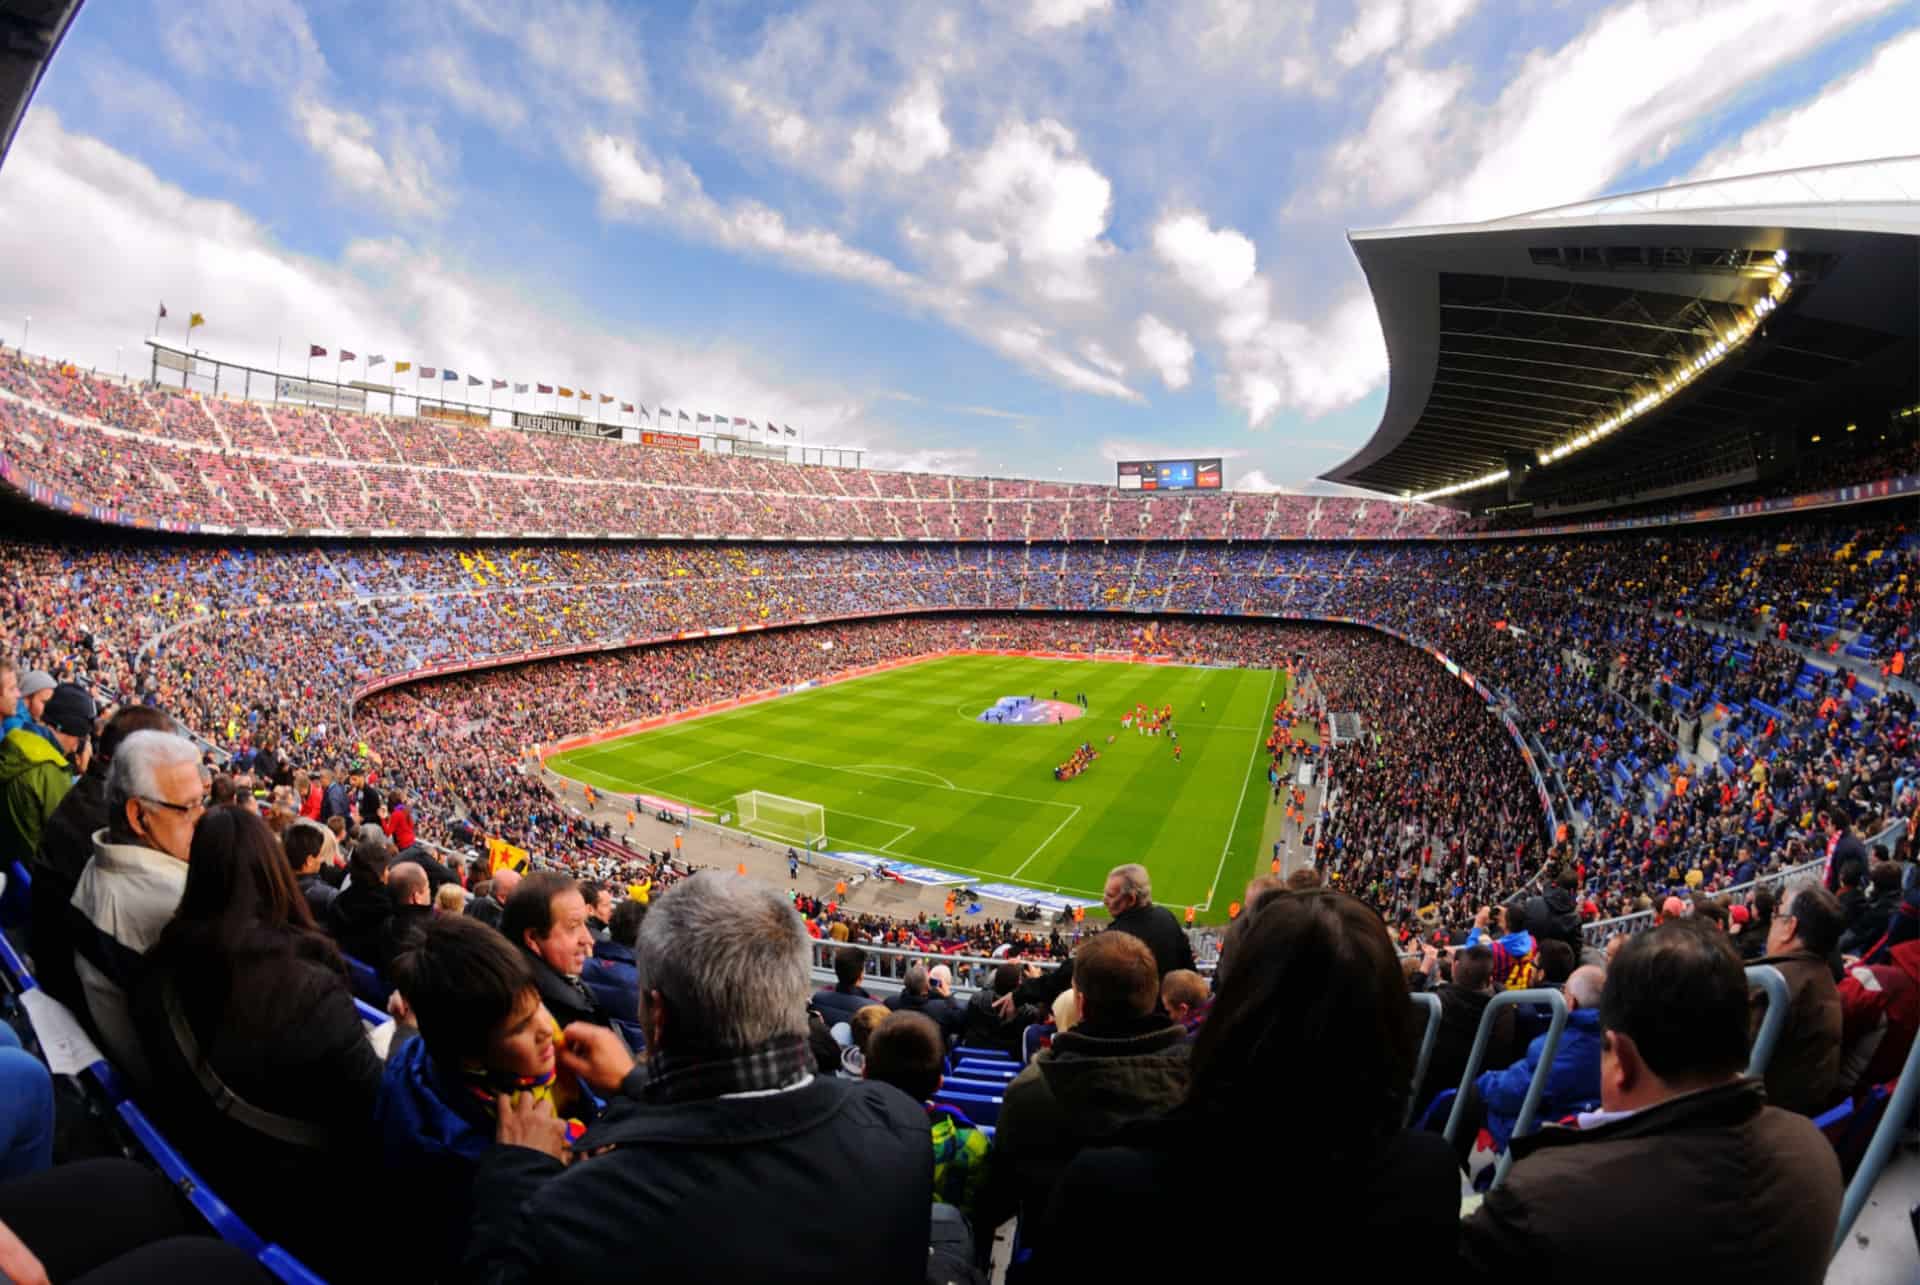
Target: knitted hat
[70,709]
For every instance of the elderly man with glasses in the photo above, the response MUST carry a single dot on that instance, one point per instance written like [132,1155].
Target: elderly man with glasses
[155,796]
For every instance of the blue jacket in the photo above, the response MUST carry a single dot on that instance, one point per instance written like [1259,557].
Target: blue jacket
[614,978]
[1574,1080]
[20,718]
[428,1144]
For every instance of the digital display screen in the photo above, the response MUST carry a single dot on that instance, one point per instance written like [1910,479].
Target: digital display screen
[1171,475]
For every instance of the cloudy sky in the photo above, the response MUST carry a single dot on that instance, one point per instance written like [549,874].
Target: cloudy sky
[995,236]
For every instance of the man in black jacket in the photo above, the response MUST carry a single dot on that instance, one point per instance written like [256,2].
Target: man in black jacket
[488,906]
[1462,1003]
[1129,899]
[919,993]
[847,997]
[727,1106]
[547,918]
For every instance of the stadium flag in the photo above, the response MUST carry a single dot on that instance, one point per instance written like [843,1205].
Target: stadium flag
[503,855]
[347,355]
[790,432]
[194,319]
[376,360]
[545,388]
[704,419]
[402,367]
[737,421]
[315,350]
[605,398]
[626,408]
[584,394]
[499,383]
[159,318]
[518,389]
[683,418]
[450,374]
[565,391]
[427,372]
[474,381]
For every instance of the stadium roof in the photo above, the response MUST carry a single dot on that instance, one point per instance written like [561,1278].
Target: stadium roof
[30,30]
[1653,316]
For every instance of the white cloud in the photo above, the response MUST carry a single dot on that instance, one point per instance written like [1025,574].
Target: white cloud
[1167,350]
[252,42]
[1217,264]
[1098,357]
[401,180]
[1404,26]
[1256,480]
[1863,116]
[1039,196]
[1032,346]
[127,94]
[1046,15]
[1637,82]
[625,181]
[92,229]
[449,72]
[915,135]
[1390,160]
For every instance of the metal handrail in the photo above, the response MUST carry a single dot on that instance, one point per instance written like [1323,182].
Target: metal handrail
[1530,1105]
[1886,1133]
[1431,1002]
[1769,979]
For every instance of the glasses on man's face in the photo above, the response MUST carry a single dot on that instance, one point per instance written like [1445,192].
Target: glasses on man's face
[184,809]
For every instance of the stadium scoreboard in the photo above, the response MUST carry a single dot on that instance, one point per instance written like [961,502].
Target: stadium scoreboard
[1171,475]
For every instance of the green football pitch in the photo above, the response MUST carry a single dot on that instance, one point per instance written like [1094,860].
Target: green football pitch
[905,769]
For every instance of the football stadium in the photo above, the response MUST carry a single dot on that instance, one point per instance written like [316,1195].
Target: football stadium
[675,842]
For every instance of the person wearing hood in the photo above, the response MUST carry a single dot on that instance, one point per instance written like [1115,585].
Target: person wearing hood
[1875,916]
[1122,1063]
[1554,914]
[1515,956]
[483,1032]
[36,770]
[27,709]
[984,1027]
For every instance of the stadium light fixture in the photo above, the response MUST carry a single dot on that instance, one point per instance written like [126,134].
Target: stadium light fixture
[1458,487]
[1723,345]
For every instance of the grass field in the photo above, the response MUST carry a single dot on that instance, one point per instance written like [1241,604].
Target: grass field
[904,768]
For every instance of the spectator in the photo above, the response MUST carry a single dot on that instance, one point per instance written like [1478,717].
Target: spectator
[727,1106]
[1516,955]
[1681,1140]
[1122,1063]
[1129,899]
[1554,915]
[306,846]
[1315,970]
[262,1070]
[599,910]
[1573,1081]
[1852,897]
[839,1002]
[860,1029]
[487,906]
[66,845]
[1183,993]
[36,772]
[907,1051]
[483,1032]
[1753,937]
[132,886]
[1879,1014]
[361,917]
[1844,847]
[917,995]
[612,974]
[412,895]
[26,1111]
[451,899]
[1806,1062]
[547,918]
[32,691]
[1878,912]
[1463,1002]
[984,1026]
[334,798]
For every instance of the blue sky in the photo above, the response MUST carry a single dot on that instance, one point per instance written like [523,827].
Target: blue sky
[1022,237]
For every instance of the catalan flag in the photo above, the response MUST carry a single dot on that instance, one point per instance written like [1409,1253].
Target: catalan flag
[502,855]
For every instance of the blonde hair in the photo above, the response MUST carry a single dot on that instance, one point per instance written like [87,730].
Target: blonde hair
[1066,1011]
[452,898]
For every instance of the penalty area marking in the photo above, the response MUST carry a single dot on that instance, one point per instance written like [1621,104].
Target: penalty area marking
[1044,842]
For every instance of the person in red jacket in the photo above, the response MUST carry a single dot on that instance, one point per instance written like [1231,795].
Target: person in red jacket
[397,822]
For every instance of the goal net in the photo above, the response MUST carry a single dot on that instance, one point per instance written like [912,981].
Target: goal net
[776,816]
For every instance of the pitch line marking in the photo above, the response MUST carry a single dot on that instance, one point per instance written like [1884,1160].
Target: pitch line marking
[1044,842]
[895,767]
[1227,847]
[958,789]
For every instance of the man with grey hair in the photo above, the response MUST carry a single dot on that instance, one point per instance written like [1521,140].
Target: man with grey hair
[726,1106]
[921,993]
[1129,899]
[128,892]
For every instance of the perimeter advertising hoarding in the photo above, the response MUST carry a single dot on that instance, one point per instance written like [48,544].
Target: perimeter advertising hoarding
[454,414]
[669,441]
[1171,475]
[316,394]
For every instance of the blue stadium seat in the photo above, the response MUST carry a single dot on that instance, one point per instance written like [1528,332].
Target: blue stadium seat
[969,1084]
[1033,1039]
[219,1215]
[977,1107]
[286,1267]
[368,1013]
[367,984]
[16,900]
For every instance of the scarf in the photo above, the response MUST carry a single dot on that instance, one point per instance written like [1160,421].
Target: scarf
[712,1073]
[483,1086]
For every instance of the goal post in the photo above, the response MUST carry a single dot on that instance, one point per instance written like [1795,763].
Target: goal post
[775,816]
